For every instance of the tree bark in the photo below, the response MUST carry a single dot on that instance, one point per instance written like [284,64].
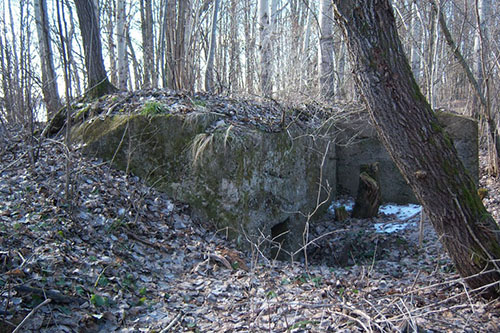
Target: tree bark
[369,195]
[209,73]
[49,81]
[265,49]
[97,79]
[416,142]
[249,49]
[326,50]
[234,52]
[415,33]
[150,77]
[110,27]
[121,37]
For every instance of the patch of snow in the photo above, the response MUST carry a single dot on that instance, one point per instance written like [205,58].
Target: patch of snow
[401,211]
[389,228]
[347,203]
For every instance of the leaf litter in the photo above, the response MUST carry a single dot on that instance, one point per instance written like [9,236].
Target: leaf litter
[123,257]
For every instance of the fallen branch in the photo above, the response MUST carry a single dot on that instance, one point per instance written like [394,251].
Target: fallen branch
[172,323]
[55,295]
[48,300]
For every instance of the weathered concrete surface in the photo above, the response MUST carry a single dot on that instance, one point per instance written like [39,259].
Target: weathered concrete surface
[365,148]
[254,183]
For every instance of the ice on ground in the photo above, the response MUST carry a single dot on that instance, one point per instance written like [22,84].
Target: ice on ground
[347,203]
[401,211]
[389,228]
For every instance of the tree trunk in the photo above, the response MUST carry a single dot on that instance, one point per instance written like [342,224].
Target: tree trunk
[161,57]
[150,78]
[326,50]
[49,80]
[121,37]
[234,55]
[304,58]
[415,33]
[416,142]
[484,106]
[74,79]
[97,79]
[369,195]
[483,8]
[110,27]
[135,84]
[209,74]
[265,49]
[249,49]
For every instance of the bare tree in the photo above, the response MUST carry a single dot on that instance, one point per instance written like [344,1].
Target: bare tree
[422,151]
[265,49]
[49,78]
[148,51]
[110,10]
[97,79]
[121,37]
[234,83]
[209,73]
[326,50]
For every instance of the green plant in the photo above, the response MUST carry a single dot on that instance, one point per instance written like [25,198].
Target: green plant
[141,301]
[235,265]
[103,281]
[285,281]
[271,294]
[129,282]
[303,324]
[317,281]
[302,278]
[79,290]
[152,108]
[98,300]
[199,102]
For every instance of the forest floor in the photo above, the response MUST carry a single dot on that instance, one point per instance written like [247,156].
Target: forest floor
[120,256]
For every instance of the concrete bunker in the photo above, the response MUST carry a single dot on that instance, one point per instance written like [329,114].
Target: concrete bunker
[255,182]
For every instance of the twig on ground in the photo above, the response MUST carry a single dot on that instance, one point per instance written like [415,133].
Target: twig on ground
[14,162]
[172,323]
[18,328]
[56,296]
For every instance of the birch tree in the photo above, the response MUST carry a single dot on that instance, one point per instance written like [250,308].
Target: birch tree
[121,37]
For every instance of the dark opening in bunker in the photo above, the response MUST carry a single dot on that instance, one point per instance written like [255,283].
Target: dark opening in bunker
[279,233]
